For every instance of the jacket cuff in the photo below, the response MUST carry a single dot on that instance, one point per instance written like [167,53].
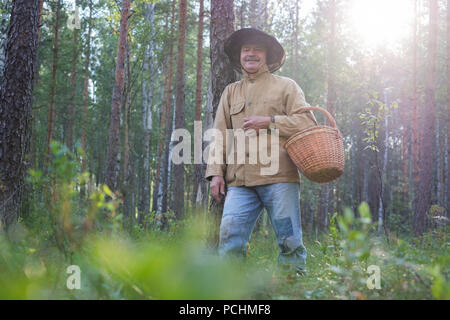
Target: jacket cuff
[212,172]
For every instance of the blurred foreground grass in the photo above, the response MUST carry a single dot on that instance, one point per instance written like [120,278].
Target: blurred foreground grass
[70,223]
[166,265]
[116,266]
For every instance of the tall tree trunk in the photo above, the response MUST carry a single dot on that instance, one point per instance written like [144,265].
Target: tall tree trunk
[256,14]
[147,102]
[423,197]
[86,97]
[415,144]
[16,105]
[404,110]
[222,74]
[178,169]
[35,79]
[243,9]
[157,190]
[126,144]
[112,156]
[51,110]
[325,193]
[162,206]
[438,163]
[73,83]
[383,173]
[198,108]
[41,5]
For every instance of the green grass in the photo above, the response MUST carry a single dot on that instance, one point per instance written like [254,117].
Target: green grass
[407,270]
[177,265]
[116,262]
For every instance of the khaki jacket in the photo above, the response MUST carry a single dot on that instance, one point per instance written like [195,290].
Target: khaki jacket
[261,94]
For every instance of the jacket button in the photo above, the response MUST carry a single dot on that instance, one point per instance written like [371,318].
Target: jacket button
[249,104]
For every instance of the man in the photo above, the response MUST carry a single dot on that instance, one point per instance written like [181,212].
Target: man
[259,102]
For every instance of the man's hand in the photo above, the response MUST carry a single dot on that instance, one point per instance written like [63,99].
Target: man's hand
[256,123]
[218,186]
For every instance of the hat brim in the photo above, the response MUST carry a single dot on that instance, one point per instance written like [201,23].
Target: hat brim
[275,52]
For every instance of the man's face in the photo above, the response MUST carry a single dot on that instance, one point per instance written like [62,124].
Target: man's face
[253,57]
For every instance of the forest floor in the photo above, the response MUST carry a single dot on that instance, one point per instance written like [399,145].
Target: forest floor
[406,270]
[349,262]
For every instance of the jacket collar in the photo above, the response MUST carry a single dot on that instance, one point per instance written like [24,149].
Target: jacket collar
[264,70]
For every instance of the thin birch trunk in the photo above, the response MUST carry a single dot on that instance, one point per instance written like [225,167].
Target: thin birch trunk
[147,102]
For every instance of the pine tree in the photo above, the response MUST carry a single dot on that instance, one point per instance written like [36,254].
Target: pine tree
[16,105]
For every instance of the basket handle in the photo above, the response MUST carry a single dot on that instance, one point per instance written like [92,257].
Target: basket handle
[325,112]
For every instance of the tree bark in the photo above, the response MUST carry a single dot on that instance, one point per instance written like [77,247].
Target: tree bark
[51,110]
[221,74]
[162,206]
[423,196]
[126,192]
[147,102]
[325,193]
[178,169]
[16,106]
[415,144]
[112,156]
[86,97]
[198,107]
[73,83]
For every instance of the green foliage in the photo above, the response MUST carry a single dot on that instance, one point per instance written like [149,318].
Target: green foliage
[338,264]
[145,264]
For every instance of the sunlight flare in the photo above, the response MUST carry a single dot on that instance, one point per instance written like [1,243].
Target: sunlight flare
[381,22]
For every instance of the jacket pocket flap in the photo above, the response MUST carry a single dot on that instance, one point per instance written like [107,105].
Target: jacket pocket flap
[237,107]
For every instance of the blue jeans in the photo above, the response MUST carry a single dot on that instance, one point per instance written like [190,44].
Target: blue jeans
[242,207]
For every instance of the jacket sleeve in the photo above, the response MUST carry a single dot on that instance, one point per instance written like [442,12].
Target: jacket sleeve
[221,123]
[293,122]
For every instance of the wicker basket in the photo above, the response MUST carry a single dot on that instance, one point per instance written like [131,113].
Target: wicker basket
[318,151]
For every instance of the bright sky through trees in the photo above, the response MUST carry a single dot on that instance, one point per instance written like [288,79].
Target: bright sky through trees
[381,22]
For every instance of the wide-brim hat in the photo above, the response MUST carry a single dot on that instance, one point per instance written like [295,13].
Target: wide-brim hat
[275,52]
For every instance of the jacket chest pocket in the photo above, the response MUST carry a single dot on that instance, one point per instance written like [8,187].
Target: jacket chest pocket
[237,114]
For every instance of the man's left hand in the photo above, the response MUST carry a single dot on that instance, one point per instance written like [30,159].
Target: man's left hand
[256,123]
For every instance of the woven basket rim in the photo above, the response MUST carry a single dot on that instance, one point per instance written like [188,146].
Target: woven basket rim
[309,131]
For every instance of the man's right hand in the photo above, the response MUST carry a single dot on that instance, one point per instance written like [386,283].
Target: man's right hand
[218,187]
